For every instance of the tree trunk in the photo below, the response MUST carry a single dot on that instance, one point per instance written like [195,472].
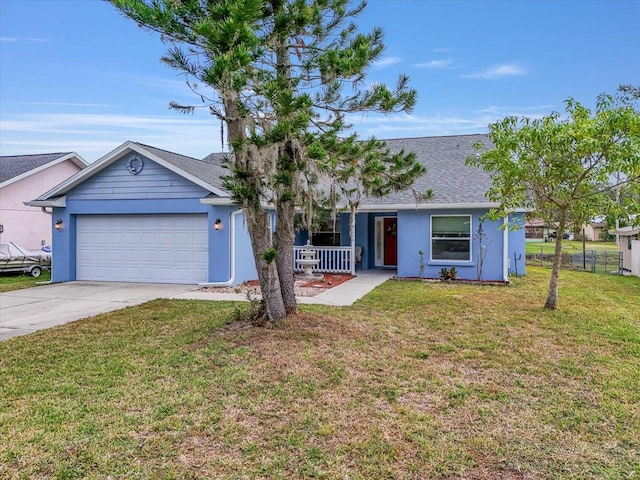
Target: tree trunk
[258,226]
[288,152]
[248,159]
[552,295]
[284,240]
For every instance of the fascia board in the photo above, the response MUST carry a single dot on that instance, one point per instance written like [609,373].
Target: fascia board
[625,232]
[56,202]
[216,201]
[424,206]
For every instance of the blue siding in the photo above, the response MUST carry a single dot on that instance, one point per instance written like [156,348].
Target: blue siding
[153,182]
[517,245]
[64,241]
[219,241]
[155,190]
[220,248]
[245,263]
[414,235]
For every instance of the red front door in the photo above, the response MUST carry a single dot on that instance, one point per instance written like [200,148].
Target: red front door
[390,242]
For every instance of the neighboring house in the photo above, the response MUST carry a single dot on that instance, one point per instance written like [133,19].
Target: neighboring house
[142,214]
[629,244]
[593,231]
[21,178]
[535,229]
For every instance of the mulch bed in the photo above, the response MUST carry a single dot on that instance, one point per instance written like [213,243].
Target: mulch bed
[330,280]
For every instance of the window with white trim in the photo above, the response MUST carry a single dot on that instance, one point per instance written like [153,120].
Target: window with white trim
[451,238]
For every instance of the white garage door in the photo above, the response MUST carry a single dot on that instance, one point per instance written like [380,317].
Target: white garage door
[142,248]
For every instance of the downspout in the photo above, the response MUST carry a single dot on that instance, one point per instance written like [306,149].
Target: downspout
[505,249]
[232,255]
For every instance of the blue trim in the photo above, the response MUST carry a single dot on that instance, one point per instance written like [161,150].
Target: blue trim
[136,207]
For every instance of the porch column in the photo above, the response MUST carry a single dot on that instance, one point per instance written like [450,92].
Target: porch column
[353,259]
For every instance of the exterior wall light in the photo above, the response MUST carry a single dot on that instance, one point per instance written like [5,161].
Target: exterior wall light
[218,224]
[59,224]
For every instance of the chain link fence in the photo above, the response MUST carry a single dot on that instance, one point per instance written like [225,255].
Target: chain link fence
[597,261]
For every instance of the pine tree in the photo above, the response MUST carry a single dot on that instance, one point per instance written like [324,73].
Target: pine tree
[284,74]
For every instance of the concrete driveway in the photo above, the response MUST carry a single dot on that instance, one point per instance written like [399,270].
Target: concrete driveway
[25,311]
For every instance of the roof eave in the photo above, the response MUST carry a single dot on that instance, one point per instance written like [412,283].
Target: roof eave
[424,206]
[54,202]
[218,201]
[625,232]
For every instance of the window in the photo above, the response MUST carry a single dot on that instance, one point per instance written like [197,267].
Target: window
[327,236]
[451,237]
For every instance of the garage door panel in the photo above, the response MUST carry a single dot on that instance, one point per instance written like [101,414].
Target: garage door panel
[133,238]
[166,238]
[200,258]
[201,239]
[185,256]
[184,238]
[142,248]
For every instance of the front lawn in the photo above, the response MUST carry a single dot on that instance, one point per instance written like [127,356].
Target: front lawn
[415,381]
[17,281]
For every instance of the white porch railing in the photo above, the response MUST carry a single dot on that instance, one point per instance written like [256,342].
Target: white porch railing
[332,259]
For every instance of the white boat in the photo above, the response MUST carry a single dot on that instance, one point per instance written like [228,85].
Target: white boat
[17,259]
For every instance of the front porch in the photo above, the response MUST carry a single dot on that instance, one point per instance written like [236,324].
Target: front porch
[332,259]
[376,244]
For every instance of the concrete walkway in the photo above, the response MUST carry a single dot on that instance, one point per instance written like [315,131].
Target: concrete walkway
[341,295]
[31,309]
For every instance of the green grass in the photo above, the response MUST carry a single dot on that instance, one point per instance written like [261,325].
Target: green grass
[417,380]
[600,257]
[13,281]
[569,245]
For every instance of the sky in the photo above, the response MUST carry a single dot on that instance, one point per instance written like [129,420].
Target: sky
[75,75]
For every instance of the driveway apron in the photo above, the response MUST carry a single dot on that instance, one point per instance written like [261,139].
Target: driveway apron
[25,311]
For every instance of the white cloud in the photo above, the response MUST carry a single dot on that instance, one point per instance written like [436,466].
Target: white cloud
[442,123]
[403,125]
[387,62]
[445,63]
[23,39]
[498,71]
[53,132]
[536,111]
[66,104]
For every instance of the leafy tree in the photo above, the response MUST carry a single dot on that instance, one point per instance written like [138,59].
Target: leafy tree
[278,74]
[565,168]
[357,168]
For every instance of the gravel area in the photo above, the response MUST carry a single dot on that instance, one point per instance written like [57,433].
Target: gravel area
[302,288]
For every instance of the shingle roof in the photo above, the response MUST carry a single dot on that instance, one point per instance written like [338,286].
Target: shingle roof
[209,169]
[451,181]
[15,165]
[215,157]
